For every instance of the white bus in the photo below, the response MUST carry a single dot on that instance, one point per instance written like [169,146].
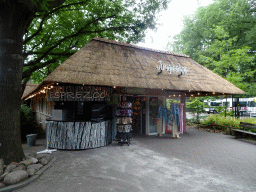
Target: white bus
[246,106]
[212,106]
[250,104]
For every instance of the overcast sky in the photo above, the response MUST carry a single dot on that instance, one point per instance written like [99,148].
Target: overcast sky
[171,22]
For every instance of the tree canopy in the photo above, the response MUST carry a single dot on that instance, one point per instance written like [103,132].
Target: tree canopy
[221,37]
[55,34]
[38,35]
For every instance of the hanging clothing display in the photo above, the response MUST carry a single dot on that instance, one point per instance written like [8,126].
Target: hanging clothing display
[162,113]
[175,112]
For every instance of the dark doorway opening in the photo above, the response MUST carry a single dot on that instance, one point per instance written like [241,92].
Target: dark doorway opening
[139,115]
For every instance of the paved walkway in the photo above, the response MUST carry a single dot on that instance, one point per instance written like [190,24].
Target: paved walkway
[199,161]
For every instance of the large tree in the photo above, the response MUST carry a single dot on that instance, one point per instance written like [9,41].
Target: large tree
[37,35]
[221,36]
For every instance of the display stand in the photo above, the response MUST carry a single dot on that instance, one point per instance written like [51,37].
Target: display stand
[124,121]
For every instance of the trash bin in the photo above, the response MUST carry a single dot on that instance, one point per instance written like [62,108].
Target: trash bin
[31,139]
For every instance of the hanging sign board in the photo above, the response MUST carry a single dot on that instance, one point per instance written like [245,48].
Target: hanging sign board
[171,68]
[79,93]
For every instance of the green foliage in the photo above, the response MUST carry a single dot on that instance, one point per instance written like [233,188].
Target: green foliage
[221,37]
[219,109]
[56,34]
[28,125]
[197,107]
[227,113]
[26,112]
[229,121]
[196,104]
[227,61]
[170,101]
[221,120]
[114,100]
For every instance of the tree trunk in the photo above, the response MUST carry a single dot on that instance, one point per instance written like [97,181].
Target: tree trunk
[14,19]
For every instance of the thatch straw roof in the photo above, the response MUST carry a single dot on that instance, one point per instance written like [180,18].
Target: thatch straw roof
[109,63]
[28,89]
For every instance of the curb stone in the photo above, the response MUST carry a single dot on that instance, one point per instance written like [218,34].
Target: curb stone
[29,180]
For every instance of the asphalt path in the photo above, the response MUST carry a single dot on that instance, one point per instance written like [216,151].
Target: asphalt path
[198,161]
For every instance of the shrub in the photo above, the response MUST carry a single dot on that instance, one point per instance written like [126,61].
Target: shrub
[27,123]
[228,113]
[25,113]
[228,121]
[196,107]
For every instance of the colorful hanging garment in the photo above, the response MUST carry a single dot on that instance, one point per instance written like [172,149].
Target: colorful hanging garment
[175,111]
[162,113]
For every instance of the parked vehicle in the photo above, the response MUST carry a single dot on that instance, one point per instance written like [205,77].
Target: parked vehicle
[246,106]
[212,106]
[251,106]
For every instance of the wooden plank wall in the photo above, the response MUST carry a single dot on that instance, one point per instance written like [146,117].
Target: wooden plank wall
[42,109]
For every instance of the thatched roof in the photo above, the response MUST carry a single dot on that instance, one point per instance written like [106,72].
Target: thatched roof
[28,89]
[109,63]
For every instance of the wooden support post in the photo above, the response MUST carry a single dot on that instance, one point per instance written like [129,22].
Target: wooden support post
[175,133]
[183,100]
[159,126]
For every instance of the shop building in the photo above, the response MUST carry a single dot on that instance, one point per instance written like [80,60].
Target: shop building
[109,88]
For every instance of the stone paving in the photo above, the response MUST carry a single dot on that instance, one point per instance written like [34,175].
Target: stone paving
[199,161]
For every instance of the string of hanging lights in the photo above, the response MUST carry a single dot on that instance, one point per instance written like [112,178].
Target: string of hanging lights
[40,91]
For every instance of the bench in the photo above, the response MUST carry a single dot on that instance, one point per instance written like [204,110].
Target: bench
[239,133]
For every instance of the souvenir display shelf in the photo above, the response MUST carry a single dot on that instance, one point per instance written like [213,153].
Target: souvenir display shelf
[124,122]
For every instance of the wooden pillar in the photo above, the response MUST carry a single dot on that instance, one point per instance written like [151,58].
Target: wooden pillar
[183,100]
[147,115]
[163,121]
[175,133]
[159,126]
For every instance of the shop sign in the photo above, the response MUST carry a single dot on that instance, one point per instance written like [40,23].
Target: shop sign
[171,68]
[79,93]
